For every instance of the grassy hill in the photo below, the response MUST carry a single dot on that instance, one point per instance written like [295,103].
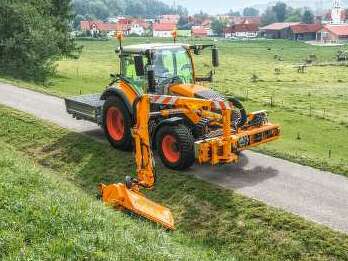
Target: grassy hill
[48,210]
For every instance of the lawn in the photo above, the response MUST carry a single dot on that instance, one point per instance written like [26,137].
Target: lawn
[312,107]
[48,209]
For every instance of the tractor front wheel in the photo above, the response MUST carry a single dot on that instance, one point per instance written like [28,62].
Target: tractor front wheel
[117,124]
[175,145]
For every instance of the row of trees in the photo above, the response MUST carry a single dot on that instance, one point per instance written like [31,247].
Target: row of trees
[102,9]
[280,12]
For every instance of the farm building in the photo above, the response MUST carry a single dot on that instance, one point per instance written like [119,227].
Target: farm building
[305,32]
[163,29]
[333,33]
[199,31]
[169,19]
[95,27]
[241,31]
[277,30]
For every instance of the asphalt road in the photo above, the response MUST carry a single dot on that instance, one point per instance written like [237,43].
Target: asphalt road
[313,194]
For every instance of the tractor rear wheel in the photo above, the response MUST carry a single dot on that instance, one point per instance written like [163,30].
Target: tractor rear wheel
[175,145]
[117,123]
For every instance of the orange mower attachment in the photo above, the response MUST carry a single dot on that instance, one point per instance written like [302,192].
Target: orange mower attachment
[118,195]
[128,196]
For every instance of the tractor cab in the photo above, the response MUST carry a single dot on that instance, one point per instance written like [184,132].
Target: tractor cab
[155,68]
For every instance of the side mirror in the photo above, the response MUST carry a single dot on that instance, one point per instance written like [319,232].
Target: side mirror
[139,65]
[215,57]
[151,80]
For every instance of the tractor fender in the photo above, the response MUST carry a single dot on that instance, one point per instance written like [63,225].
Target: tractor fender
[171,122]
[113,91]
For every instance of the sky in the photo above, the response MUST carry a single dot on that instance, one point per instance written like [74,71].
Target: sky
[215,6]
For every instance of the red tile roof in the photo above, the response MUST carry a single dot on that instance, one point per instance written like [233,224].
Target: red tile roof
[278,26]
[339,30]
[242,28]
[164,27]
[305,28]
[101,26]
[199,31]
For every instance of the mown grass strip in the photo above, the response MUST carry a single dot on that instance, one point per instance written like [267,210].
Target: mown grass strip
[208,218]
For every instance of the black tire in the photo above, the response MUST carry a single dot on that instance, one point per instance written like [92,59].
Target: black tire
[184,145]
[126,142]
[243,115]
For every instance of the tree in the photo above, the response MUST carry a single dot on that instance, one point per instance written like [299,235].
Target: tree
[233,13]
[33,35]
[250,11]
[184,23]
[308,17]
[294,15]
[218,26]
[280,11]
[268,17]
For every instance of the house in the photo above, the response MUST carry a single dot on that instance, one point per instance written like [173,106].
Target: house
[163,29]
[96,27]
[241,31]
[277,30]
[169,19]
[333,33]
[305,32]
[199,31]
[138,27]
[252,20]
[243,20]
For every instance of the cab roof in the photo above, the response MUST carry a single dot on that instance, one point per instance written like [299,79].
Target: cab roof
[142,48]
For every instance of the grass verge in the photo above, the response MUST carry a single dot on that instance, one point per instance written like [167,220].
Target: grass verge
[56,210]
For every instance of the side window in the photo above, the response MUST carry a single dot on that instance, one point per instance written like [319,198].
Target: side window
[128,71]
[184,66]
[128,67]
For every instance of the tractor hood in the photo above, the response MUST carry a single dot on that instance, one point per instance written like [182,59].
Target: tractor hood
[195,91]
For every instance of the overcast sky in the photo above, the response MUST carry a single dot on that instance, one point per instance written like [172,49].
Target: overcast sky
[216,6]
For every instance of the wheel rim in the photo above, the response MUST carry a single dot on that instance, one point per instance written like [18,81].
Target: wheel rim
[115,123]
[170,148]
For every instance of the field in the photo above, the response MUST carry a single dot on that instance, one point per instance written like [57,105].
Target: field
[48,208]
[312,107]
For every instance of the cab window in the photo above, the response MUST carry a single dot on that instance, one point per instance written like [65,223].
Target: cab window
[128,71]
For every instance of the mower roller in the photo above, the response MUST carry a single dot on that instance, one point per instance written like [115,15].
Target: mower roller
[156,103]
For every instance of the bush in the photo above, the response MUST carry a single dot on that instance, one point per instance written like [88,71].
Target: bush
[32,36]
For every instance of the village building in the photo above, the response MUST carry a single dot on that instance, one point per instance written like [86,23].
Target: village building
[138,27]
[96,27]
[243,20]
[245,30]
[277,30]
[169,19]
[304,32]
[199,31]
[163,29]
[333,33]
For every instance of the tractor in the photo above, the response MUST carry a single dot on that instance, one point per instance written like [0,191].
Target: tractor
[157,102]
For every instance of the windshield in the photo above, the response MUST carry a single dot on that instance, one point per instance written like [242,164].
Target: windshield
[171,63]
